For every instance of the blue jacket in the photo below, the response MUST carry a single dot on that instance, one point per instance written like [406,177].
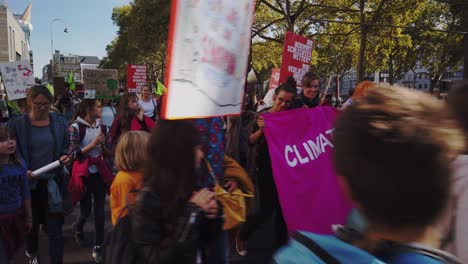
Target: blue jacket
[58,180]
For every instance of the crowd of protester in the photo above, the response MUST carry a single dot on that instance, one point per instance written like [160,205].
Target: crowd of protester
[401,157]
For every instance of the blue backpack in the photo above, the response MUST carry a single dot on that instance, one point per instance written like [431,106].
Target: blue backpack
[325,249]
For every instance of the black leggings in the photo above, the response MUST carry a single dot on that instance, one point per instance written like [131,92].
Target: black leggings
[269,206]
[95,190]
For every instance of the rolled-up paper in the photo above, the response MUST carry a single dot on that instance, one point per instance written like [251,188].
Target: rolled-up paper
[47,168]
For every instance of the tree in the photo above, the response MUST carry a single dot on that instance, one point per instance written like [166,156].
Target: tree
[438,47]
[141,38]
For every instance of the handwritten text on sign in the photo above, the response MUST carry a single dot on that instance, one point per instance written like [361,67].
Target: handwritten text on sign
[18,77]
[104,82]
[136,77]
[208,51]
[297,53]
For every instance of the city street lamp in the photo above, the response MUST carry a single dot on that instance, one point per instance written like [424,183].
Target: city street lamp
[52,43]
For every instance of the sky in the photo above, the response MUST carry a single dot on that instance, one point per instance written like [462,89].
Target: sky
[89,24]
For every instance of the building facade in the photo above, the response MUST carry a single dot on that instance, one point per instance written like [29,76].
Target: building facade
[63,64]
[15,32]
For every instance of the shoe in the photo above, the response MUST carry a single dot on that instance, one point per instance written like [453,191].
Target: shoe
[97,254]
[241,247]
[79,236]
[33,258]
[43,229]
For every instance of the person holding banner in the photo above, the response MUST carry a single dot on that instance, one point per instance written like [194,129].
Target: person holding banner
[42,139]
[269,203]
[394,150]
[149,104]
[130,117]
[310,95]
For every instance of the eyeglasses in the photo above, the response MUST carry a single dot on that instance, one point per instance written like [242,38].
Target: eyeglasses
[42,104]
[311,86]
[282,100]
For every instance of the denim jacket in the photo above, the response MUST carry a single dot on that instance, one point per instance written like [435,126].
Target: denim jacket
[57,179]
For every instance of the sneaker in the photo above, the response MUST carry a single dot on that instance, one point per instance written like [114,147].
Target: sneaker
[79,236]
[97,254]
[241,247]
[33,258]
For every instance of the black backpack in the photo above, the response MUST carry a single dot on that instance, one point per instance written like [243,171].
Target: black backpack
[119,246]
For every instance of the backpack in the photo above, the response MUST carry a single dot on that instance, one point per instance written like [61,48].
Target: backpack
[82,130]
[118,245]
[312,248]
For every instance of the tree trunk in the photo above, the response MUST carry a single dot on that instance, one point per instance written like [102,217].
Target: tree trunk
[338,99]
[362,46]
[391,71]
[464,23]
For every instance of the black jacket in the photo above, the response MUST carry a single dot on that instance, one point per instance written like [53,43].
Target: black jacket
[147,232]
[302,100]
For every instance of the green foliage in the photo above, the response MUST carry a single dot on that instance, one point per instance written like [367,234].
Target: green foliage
[141,38]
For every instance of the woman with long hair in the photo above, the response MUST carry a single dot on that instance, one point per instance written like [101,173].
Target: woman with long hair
[130,117]
[42,138]
[269,203]
[169,211]
[148,103]
[90,175]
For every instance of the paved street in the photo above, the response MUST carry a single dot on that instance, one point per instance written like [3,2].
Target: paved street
[260,246]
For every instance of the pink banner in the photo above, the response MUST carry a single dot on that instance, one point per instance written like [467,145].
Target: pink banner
[301,150]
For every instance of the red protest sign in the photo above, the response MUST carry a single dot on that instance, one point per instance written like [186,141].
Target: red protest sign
[274,80]
[136,77]
[297,53]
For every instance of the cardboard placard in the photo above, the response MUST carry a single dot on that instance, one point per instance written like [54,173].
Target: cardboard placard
[103,81]
[59,86]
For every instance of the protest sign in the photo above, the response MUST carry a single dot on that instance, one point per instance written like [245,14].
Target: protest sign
[208,50]
[103,81]
[59,86]
[136,77]
[297,53]
[17,77]
[301,149]
[274,80]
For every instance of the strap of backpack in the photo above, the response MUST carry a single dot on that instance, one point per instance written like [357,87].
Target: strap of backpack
[392,248]
[315,248]
[81,131]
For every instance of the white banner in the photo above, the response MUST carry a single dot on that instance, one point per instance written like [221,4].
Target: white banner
[208,51]
[17,77]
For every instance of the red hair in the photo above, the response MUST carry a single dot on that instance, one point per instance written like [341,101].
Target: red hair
[361,88]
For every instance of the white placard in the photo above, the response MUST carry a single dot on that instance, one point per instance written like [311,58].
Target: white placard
[208,50]
[17,77]
[89,94]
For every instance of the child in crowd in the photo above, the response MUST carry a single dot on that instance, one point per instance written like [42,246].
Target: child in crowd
[129,160]
[91,174]
[15,198]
